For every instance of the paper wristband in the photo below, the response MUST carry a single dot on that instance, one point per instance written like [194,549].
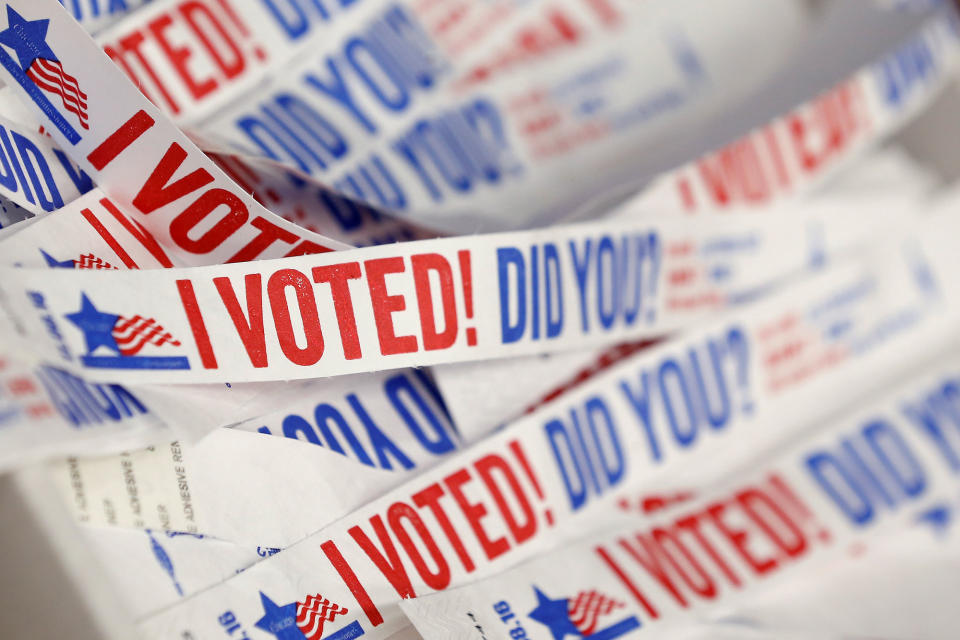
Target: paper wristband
[35,174]
[143,162]
[387,420]
[500,155]
[313,205]
[219,405]
[384,421]
[38,176]
[372,431]
[53,412]
[189,412]
[407,304]
[553,473]
[893,464]
[96,15]
[45,411]
[193,58]
[152,569]
[49,412]
[788,156]
[35,165]
[474,392]
[85,415]
[798,150]
[250,250]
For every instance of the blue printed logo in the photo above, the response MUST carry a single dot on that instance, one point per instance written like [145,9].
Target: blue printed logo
[304,620]
[38,70]
[580,616]
[114,341]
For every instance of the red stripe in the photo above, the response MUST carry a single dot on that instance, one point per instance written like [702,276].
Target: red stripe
[55,83]
[147,330]
[55,70]
[109,239]
[133,334]
[56,76]
[52,77]
[58,68]
[69,105]
[585,610]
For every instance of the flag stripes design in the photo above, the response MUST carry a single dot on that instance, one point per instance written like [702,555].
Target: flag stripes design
[585,610]
[50,76]
[313,613]
[133,334]
[90,261]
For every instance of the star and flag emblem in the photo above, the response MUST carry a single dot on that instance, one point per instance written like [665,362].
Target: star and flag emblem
[41,73]
[28,39]
[580,616]
[305,620]
[115,341]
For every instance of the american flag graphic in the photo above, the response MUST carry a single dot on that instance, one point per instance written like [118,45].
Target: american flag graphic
[313,612]
[50,76]
[133,334]
[90,261]
[587,607]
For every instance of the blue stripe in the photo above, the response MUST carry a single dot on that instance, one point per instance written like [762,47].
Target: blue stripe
[135,362]
[615,631]
[56,118]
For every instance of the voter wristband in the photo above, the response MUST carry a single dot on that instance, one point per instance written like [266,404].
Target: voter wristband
[140,158]
[789,156]
[799,150]
[337,443]
[46,411]
[500,154]
[407,304]
[194,57]
[96,15]
[474,392]
[153,569]
[834,492]
[353,425]
[521,490]
[36,175]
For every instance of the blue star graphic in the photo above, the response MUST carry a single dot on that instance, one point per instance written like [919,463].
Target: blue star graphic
[27,38]
[280,621]
[57,264]
[97,326]
[553,614]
